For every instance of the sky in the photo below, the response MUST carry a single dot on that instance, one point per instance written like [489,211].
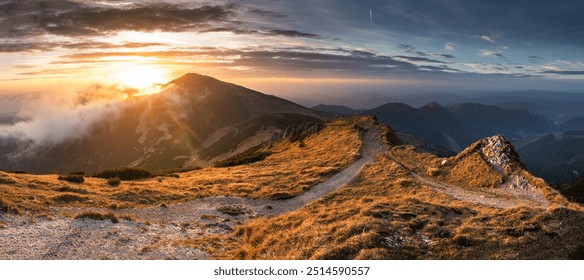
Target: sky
[295,49]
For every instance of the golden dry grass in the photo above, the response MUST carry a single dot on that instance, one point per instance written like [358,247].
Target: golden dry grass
[289,171]
[387,214]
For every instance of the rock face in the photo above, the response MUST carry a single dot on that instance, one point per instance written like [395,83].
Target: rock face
[499,152]
[501,155]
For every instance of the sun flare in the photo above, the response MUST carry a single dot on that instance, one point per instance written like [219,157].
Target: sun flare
[141,77]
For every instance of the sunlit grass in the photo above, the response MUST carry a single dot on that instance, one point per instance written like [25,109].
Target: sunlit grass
[289,170]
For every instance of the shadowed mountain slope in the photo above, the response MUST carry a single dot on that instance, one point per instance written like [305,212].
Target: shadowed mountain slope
[165,130]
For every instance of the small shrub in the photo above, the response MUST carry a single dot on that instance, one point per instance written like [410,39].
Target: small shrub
[243,158]
[281,196]
[77,179]
[125,173]
[231,210]
[73,190]
[114,182]
[69,198]
[7,181]
[98,216]
[170,172]
[77,173]
[6,207]
[434,171]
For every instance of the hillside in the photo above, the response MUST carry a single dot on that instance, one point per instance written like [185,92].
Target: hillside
[558,158]
[574,191]
[490,120]
[572,124]
[431,122]
[348,189]
[337,110]
[460,125]
[417,206]
[165,130]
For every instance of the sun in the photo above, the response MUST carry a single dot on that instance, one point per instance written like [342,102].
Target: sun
[140,77]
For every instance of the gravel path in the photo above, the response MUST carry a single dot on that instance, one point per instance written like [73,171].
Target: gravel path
[151,236]
[502,197]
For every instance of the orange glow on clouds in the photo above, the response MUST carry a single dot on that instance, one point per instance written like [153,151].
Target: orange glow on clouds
[145,78]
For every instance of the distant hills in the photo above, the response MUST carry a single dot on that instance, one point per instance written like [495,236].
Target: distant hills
[548,149]
[558,158]
[460,125]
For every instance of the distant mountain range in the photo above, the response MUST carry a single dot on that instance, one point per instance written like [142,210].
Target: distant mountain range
[552,151]
[558,158]
[198,120]
[456,126]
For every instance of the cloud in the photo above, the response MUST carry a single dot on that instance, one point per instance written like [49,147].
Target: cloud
[489,53]
[450,47]
[563,72]
[268,60]
[30,20]
[263,13]
[292,33]
[487,38]
[49,119]
[446,55]
[407,48]
[418,59]
[24,46]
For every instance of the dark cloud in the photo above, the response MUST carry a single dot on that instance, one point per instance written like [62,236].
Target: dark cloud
[27,19]
[292,33]
[72,18]
[7,47]
[333,60]
[419,59]
[565,72]
[407,48]
[449,56]
[85,21]
[488,53]
[263,13]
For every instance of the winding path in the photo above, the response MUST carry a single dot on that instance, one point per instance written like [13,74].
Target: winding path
[502,197]
[156,228]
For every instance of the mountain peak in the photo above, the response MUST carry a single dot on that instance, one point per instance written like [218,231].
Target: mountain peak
[499,152]
[433,104]
[192,78]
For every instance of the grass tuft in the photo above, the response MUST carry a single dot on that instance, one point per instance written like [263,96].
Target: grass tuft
[99,216]
[243,158]
[114,182]
[77,179]
[125,173]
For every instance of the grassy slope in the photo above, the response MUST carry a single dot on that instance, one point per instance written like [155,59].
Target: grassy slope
[289,171]
[387,214]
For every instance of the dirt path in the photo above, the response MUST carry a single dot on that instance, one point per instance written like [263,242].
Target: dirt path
[151,236]
[502,197]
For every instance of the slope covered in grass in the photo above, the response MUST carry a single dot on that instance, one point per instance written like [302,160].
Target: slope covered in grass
[388,214]
[291,168]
